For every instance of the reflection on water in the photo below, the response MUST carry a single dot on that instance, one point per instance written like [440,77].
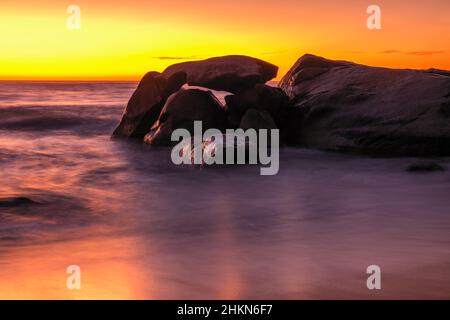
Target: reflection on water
[140,227]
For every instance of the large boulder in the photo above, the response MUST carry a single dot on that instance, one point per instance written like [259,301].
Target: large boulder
[146,103]
[181,110]
[229,73]
[346,106]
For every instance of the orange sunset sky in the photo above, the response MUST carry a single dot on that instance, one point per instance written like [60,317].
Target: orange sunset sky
[121,40]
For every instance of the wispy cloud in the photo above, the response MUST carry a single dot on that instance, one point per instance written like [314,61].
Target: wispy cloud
[425,53]
[414,53]
[175,58]
[390,51]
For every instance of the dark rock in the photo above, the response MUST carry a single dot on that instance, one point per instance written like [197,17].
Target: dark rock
[15,202]
[174,83]
[307,68]
[445,108]
[262,97]
[425,167]
[146,103]
[181,110]
[440,72]
[257,119]
[345,106]
[229,73]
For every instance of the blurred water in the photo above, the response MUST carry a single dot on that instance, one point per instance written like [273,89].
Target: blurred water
[140,227]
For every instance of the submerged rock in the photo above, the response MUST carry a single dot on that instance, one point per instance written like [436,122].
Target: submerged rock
[16,201]
[181,110]
[146,103]
[346,106]
[229,73]
[425,167]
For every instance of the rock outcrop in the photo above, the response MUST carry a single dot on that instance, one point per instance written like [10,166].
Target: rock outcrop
[321,103]
[350,107]
[181,110]
[229,73]
[146,103]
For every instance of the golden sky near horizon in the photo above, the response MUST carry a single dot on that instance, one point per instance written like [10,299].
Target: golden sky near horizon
[124,39]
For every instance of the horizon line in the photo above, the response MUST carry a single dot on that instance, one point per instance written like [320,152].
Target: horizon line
[67,80]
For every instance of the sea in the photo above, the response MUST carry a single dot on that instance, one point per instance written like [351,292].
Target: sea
[136,226]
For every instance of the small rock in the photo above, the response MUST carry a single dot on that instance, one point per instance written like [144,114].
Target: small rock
[425,167]
[15,202]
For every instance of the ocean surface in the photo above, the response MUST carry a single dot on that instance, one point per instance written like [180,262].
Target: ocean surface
[140,227]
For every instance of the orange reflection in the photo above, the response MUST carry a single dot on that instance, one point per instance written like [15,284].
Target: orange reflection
[108,271]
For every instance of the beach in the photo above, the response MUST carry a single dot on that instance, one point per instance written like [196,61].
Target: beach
[141,227]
